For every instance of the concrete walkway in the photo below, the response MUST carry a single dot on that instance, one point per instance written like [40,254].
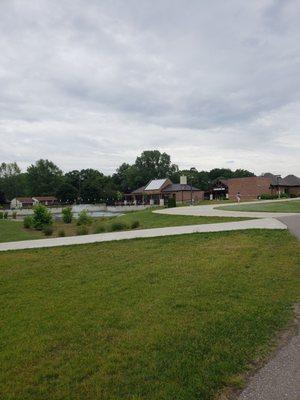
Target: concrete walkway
[293,224]
[211,210]
[279,379]
[267,223]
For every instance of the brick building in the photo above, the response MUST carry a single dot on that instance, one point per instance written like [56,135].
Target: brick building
[251,188]
[158,191]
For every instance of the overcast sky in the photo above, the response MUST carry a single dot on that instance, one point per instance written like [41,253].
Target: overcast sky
[93,83]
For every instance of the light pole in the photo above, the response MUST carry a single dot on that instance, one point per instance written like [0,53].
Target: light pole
[277,179]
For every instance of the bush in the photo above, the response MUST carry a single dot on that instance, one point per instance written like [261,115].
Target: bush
[61,233]
[27,222]
[14,215]
[5,215]
[1,214]
[171,202]
[48,230]
[100,229]
[84,218]
[118,226]
[267,196]
[135,224]
[41,217]
[67,215]
[82,230]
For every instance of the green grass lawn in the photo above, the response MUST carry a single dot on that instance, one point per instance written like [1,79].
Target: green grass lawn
[276,206]
[149,219]
[13,230]
[151,319]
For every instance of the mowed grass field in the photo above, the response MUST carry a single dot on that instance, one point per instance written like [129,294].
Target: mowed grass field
[13,230]
[276,206]
[158,319]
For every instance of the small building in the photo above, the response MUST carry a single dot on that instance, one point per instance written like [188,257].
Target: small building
[46,200]
[251,188]
[21,202]
[28,202]
[158,191]
[289,185]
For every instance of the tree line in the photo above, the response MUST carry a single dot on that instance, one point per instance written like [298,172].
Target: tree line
[44,178]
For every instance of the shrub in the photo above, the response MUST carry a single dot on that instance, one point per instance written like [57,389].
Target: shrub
[48,230]
[82,230]
[1,214]
[61,233]
[67,215]
[41,217]
[171,202]
[5,215]
[118,226]
[14,215]
[267,196]
[84,218]
[100,229]
[27,222]
[135,224]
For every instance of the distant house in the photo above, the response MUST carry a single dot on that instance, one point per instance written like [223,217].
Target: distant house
[46,200]
[158,191]
[252,187]
[288,185]
[28,202]
[21,202]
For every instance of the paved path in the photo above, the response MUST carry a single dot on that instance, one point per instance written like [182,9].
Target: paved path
[293,224]
[267,223]
[279,379]
[211,210]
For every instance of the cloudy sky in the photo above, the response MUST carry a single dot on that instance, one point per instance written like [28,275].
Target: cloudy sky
[93,83]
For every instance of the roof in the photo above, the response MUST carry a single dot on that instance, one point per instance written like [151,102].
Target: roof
[177,187]
[289,180]
[155,184]
[139,190]
[45,198]
[24,199]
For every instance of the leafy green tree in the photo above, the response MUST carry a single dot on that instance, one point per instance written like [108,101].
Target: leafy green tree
[42,217]
[67,193]
[152,164]
[92,186]
[44,178]
[67,215]
[12,180]
[2,198]
[242,173]
[218,173]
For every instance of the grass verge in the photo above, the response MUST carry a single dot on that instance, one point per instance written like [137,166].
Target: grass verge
[277,206]
[13,230]
[174,317]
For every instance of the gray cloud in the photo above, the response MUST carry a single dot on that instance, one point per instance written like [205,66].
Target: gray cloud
[91,84]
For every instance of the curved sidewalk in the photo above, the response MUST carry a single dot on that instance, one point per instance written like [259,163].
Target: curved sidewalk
[211,210]
[267,223]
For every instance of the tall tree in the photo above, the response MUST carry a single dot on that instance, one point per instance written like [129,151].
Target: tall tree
[44,178]
[242,173]
[152,164]
[12,180]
